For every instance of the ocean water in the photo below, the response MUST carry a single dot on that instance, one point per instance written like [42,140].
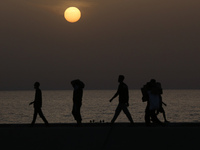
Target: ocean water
[182,106]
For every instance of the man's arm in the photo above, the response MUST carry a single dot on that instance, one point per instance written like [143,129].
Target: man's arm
[164,104]
[116,94]
[31,103]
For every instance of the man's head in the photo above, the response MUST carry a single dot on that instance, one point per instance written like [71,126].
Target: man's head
[121,78]
[153,81]
[77,83]
[36,85]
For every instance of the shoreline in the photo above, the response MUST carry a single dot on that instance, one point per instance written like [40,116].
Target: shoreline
[121,124]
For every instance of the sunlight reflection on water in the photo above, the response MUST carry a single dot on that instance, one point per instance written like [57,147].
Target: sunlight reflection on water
[182,106]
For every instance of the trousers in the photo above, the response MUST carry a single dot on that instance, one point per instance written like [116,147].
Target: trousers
[120,107]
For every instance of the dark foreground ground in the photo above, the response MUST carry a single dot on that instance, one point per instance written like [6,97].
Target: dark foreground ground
[100,136]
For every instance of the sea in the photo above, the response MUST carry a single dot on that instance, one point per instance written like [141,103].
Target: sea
[182,106]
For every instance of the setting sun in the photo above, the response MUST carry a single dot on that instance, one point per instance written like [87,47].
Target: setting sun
[72,14]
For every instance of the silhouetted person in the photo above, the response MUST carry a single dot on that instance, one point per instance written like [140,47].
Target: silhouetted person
[145,98]
[151,94]
[123,94]
[77,99]
[161,109]
[37,104]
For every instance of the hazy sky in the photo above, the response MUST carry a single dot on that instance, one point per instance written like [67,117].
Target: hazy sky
[141,39]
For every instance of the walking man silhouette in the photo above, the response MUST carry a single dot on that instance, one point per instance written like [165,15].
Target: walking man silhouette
[38,104]
[123,94]
[77,99]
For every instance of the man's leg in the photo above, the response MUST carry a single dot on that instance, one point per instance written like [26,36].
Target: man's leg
[78,114]
[154,117]
[147,116]
[126,111]
[42,116]
[164,116]
[74,111]
[117,112]
[34,117]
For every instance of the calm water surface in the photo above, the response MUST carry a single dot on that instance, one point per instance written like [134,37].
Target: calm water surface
[182,106]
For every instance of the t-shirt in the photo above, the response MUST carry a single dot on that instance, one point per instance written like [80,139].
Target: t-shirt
[38,99]
[123,93]
[77,95]
[154,101]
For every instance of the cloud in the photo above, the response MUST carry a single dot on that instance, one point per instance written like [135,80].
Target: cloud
[59,6]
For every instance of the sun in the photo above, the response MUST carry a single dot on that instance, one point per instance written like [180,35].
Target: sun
[72,14]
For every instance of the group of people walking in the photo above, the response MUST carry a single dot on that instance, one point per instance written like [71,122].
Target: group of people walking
[151,93]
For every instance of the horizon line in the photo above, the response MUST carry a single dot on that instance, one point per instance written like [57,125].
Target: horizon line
[94,89]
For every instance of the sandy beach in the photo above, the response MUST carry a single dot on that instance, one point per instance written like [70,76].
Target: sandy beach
[100,136]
